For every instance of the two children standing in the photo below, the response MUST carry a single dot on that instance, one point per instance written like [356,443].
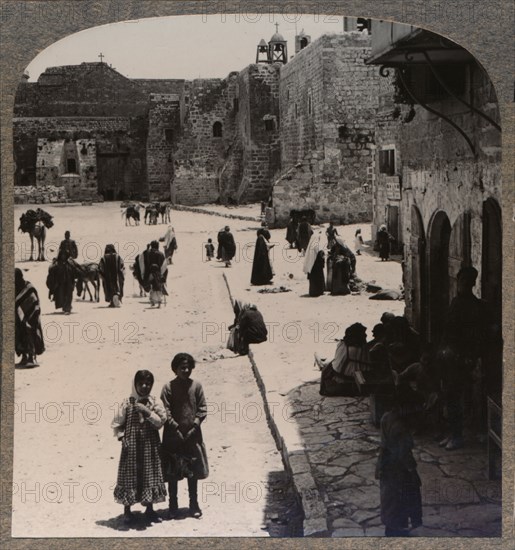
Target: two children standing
[145,464]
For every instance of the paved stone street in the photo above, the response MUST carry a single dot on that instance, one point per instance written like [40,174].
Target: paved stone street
[327,444]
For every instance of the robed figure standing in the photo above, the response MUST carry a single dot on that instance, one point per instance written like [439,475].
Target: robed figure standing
[112,271]
[262,273]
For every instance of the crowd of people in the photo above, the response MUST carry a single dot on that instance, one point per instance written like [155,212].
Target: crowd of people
[427,388]
[426,383]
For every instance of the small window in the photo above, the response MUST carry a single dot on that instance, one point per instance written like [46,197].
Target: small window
[296,110]
[169,135]
[269,124]
[342,132]
[236,104]
[363,24]
[387,162]
[71,166]
[310,104]
[217,129]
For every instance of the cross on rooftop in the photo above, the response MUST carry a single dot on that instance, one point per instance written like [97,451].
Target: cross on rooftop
[101,57]
[276,27]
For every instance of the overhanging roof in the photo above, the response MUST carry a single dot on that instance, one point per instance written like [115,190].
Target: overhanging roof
[391,46]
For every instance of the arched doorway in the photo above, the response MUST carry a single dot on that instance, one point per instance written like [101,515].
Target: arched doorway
[418,269]
[439,233]
[459,251]
[491,291]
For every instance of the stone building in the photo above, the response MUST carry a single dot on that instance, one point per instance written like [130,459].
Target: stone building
[328,104]
[438,174]
[308,118]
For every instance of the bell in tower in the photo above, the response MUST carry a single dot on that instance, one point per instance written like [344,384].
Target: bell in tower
[277,50]
[262,52]
[301,41]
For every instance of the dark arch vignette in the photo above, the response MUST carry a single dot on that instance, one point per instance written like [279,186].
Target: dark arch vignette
[435,187]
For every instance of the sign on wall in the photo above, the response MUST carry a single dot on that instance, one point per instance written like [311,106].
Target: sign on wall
[393,188]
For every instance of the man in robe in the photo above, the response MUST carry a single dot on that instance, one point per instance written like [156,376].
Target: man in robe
[28,333]
[304,233]
[228,245]
[467,333]
[111,270]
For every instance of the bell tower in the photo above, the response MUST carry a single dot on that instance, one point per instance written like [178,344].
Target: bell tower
[262,52]
[277,48]
[301,41]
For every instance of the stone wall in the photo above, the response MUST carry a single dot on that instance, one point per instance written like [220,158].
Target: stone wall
[259,130]
[439,172]
[163,132]
[201,153]
[446,176]
[328,103]
[120,149]
[51,167]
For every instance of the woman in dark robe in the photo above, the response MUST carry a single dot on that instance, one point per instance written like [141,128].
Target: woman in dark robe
[383,241]
[396,469]
[111,270]
[314,266]
[28,332]
[262,273]
[61,281]
[228,245]
[304,233]
[291,232]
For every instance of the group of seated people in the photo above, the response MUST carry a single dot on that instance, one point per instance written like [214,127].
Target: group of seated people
[393,357]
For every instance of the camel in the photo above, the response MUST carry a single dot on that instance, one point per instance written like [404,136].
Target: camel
[35,223]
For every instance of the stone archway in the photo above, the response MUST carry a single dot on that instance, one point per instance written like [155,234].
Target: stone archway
[418,273]
[459,251]
[439,233]
[491,291]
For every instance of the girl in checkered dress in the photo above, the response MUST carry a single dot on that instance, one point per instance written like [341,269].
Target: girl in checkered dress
[136,425]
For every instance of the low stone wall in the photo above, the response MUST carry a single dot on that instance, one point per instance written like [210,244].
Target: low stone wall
[301,189]
[29,194]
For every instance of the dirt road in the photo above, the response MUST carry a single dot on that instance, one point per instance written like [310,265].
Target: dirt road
[65,457]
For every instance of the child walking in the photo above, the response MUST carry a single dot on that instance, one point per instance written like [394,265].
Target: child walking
[184,452]
[136,425]
[210,250]
[358,242]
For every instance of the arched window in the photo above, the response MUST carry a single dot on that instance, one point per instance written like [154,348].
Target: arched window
[217,129]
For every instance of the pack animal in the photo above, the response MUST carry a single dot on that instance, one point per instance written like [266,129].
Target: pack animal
[36,223]
[132,213]
[87,274]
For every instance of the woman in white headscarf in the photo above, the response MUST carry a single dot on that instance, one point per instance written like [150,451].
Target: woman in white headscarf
[170,243]
[314,265]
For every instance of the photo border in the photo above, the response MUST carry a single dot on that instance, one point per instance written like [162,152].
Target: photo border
[28,27]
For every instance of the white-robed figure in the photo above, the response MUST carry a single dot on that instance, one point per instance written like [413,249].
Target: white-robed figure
[170,244]
[314,265]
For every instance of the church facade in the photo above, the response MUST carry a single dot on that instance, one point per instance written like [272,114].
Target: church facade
[298,131]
